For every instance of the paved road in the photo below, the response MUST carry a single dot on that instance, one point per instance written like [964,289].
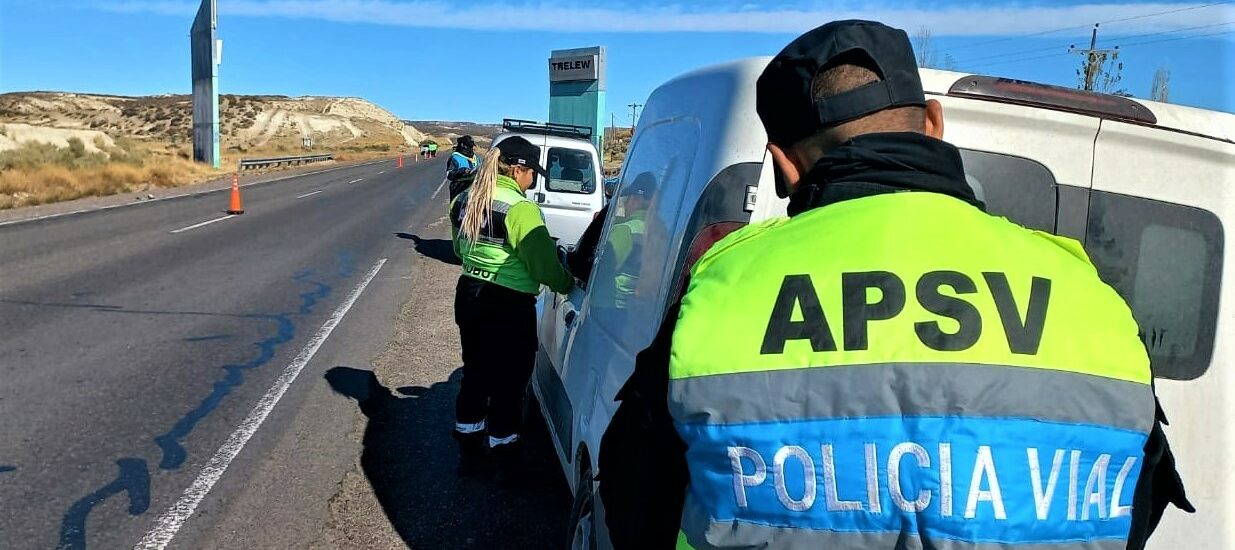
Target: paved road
[143,347]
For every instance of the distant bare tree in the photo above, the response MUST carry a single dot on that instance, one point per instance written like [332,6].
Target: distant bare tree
[949,63]
[1161,88]
[922,43]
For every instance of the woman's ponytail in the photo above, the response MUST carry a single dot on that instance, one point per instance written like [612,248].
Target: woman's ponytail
[479,207]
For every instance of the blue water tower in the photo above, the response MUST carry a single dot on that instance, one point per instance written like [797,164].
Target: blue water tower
[577,90]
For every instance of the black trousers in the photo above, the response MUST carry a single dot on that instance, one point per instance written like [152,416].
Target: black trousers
[497,330]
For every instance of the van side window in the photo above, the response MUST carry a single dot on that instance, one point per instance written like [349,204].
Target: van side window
[634,265]
[570,171]
[1166,261]
[1017,188]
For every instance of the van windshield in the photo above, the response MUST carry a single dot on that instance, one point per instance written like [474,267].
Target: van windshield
[570,171]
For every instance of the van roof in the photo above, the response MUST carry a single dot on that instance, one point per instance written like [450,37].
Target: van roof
[1190,120]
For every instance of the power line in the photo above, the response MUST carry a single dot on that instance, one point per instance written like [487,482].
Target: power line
[1171,31]
[1078,27]
[1050,48]
[1122,46]
[1176,38]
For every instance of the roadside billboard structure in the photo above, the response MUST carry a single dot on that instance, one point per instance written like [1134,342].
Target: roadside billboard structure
[206,50]
[577,90]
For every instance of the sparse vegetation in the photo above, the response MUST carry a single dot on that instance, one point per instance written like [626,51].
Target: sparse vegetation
[40,173]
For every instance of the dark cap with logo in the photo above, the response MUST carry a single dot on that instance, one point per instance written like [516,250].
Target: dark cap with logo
[784,96]
[466,141]
[517,151]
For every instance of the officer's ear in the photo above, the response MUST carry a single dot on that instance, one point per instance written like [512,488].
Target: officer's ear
[934,118]
[788,173]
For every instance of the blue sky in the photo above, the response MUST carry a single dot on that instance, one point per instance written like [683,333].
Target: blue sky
[482,61]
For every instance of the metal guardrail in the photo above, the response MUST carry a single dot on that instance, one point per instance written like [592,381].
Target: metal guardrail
[246,164]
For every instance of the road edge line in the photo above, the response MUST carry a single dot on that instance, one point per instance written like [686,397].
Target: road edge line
[171,521]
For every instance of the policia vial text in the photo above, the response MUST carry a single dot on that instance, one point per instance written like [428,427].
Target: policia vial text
[798,292]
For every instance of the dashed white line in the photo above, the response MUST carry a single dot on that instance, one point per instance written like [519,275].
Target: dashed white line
[382,172]
[197,225]
[309,194]
[439,189]
[182,195]
[355,180]
[173,519]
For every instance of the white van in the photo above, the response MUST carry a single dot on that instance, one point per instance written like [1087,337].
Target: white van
[1145,186]
[574,192]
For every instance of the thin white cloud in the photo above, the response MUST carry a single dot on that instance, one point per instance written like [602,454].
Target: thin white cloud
[973,20]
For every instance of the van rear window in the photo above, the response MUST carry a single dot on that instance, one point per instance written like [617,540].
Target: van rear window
[570,171]
[1166,261]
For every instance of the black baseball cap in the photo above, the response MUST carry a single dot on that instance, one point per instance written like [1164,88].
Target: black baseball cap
[786,102]
[517,151]
[466,141]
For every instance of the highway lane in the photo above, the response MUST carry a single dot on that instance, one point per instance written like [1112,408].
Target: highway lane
[131,352]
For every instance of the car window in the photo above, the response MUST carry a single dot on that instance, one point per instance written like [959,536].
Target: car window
[1017,188]
[1166,261]
[570,171]
[633,266]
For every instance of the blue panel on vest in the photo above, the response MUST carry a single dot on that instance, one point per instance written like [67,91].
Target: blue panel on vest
[1012,480]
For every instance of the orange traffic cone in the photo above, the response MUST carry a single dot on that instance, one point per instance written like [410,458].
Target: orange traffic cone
[235,207]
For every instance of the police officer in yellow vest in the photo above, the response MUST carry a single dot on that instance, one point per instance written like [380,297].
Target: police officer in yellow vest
[507,254]
[889,367]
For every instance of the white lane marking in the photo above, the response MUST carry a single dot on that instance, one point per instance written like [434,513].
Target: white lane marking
[355,180]
[382,172]
[439,190]
[197,225]
[309,194]
[172,520]
[195,193]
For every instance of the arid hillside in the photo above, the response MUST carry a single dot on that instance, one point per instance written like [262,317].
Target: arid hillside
[248,124]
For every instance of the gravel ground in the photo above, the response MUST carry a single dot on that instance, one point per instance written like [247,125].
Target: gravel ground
[403,491]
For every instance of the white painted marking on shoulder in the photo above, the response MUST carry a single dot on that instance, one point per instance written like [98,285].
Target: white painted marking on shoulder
[205,223]
[355,180]
[173,519]
[439,189]
[309,194]
[382,172]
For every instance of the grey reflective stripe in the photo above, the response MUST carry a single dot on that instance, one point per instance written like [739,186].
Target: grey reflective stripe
[499,206]
[703,534]
[912,389]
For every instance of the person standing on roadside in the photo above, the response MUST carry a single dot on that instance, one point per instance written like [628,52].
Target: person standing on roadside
[432,149]
[507,254]
[890,366]
[461,167]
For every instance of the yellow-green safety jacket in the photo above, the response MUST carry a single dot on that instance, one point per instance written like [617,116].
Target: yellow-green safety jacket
[905,371]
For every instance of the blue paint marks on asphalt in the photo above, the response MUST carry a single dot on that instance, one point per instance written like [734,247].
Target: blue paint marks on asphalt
[208,338]
[347,264]
[133,479]
[7,469]
[173,452]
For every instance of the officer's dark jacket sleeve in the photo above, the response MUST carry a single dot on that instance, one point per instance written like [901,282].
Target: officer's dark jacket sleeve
[643,475]
[1158,486]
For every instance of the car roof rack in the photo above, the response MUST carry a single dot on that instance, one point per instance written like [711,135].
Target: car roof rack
[547,128]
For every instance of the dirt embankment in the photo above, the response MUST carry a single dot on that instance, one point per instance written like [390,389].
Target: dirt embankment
[60,146]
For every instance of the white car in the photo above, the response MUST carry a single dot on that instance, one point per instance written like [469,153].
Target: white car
[1145,186]
[574,192]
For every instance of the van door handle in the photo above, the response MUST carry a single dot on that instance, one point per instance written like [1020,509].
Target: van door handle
[540,197]
[570,318]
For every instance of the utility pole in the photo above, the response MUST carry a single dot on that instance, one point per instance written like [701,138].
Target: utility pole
[1095,60]
[634,114]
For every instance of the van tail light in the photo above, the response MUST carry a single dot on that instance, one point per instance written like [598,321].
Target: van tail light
[702,242]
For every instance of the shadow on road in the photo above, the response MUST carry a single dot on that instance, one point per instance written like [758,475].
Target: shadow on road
[409,459]
[441,250]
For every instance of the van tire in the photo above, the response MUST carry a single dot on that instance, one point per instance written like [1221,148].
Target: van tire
[581,533]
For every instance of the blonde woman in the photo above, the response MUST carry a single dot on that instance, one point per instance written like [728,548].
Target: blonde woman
[507,254]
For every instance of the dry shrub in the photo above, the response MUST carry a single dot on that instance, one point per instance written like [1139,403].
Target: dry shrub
[53,183]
